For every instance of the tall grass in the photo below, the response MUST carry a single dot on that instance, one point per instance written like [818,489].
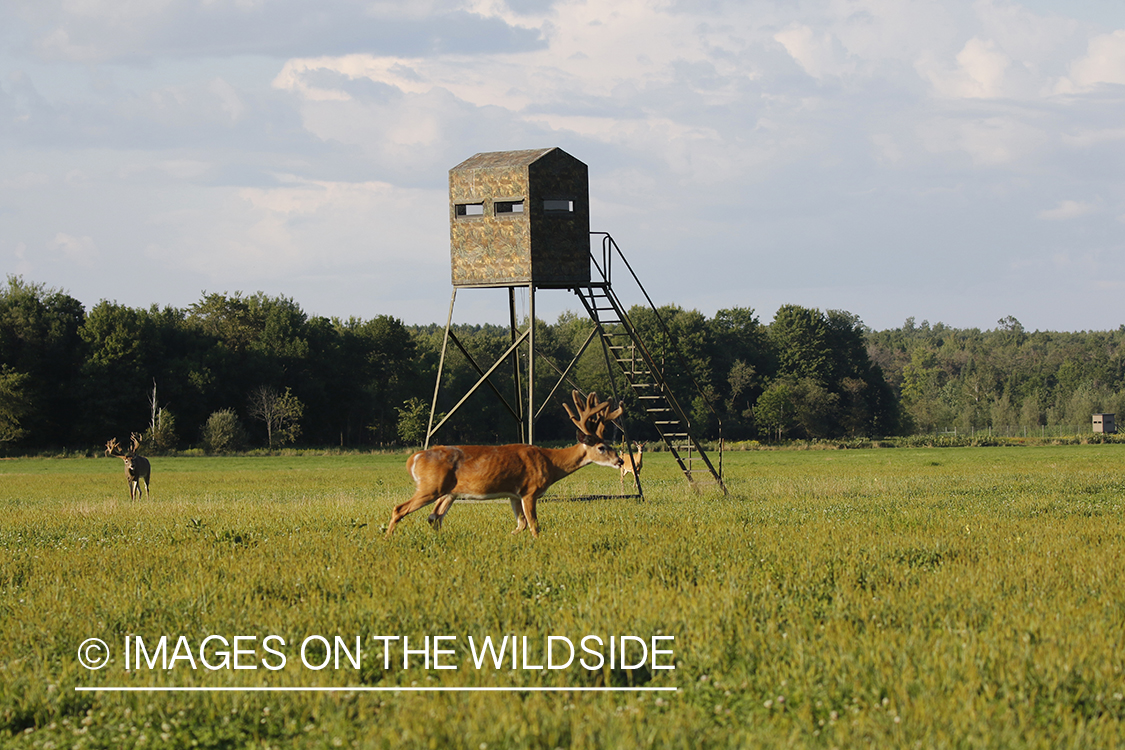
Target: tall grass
[907,597]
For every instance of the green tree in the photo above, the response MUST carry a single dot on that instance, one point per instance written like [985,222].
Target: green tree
[251,340]
[123,355]
[923,395]
[226,319]
[280,412]
[223,432]
[391,373]
[814,408]
[413,421]
[800,407]
[161,434]
[13,404]
[800,337]
[775,412]
[39,338]
[742,381]
[839,388]
[741,360]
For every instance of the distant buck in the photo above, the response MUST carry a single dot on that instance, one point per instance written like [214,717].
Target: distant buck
[521,473]
[136,467]
[632,464]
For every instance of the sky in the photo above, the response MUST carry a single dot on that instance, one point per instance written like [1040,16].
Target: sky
[942,160]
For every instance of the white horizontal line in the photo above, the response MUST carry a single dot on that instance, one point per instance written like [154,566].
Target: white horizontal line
[369,689]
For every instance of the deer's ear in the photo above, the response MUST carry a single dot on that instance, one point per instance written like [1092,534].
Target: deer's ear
[585,439]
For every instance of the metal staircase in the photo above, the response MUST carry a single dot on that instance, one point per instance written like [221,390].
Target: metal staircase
[645,374]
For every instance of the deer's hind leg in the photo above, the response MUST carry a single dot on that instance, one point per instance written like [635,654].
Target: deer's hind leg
[445,502]
[421,499]
[517,511]
[431,483]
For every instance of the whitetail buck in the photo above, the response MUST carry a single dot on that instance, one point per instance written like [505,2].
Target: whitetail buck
[521,473]
[136,467]
[632,464]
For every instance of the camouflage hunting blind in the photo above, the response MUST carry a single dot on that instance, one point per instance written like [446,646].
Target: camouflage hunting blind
[520,217]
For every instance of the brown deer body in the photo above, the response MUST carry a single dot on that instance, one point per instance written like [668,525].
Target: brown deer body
[632,463]
[136,467]
[521,473]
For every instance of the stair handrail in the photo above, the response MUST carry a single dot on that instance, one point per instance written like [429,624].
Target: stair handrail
[670,397]
[608,246]
[649,362]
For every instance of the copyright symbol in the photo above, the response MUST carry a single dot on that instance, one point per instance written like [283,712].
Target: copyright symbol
[93,653]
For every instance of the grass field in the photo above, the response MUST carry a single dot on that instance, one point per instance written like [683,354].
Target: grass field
[888,598]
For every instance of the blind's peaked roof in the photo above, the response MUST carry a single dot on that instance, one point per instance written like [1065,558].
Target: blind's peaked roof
[503,159]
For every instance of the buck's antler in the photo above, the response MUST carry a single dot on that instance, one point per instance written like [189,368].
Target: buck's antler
[135,439]
[112,448]
[591,417]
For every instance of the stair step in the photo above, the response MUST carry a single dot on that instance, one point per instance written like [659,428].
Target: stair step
[645,376]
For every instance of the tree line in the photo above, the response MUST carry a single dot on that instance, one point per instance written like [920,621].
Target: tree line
[972,380]
[234,371]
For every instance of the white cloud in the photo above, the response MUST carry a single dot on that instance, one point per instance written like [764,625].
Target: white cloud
[80,250]
[108,31]
[231,102]
[1087,137]
[1104,62]
[22,266]
[1038,41]
[990,141]
[1068,209]
[891,30]
[56,44]
[247,144]
[820,55]
[980,73]
[302,227]
[24,181]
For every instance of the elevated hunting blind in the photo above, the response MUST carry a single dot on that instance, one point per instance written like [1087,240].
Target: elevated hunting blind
[520,217]
[521,220]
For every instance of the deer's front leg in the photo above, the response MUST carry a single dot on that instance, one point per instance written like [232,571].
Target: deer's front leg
[529,515]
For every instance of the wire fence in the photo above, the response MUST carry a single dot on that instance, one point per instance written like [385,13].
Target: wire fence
[1025,431]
